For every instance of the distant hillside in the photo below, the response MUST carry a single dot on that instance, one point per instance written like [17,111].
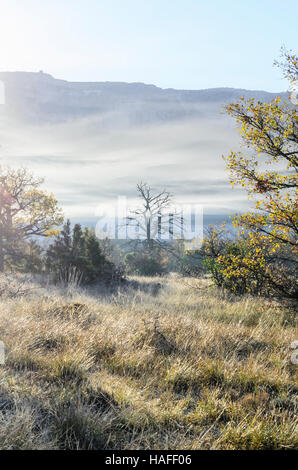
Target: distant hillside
[42,98]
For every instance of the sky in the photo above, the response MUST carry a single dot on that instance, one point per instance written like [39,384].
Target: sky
[186,44]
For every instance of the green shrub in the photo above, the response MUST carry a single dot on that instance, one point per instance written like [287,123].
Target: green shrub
[76,256]
[144,264]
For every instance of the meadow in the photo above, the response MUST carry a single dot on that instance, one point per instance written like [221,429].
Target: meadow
[158,363]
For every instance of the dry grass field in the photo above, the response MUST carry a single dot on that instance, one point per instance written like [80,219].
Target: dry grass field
[163,364]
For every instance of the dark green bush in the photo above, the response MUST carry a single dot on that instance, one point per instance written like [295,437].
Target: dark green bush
[76,256]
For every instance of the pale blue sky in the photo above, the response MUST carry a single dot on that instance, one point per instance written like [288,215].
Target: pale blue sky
[188,44]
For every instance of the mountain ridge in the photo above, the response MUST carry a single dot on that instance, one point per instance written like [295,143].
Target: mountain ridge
[46,75]
[39,97]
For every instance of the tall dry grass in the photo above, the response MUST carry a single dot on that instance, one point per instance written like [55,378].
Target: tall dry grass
[164,364]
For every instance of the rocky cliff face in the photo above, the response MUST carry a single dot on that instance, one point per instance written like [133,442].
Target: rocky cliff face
[38,97]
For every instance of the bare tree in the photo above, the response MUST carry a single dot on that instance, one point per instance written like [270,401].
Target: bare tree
[156,218]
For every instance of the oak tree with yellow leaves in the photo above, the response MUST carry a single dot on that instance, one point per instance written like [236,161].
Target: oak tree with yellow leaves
[269,174]
[25,211]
